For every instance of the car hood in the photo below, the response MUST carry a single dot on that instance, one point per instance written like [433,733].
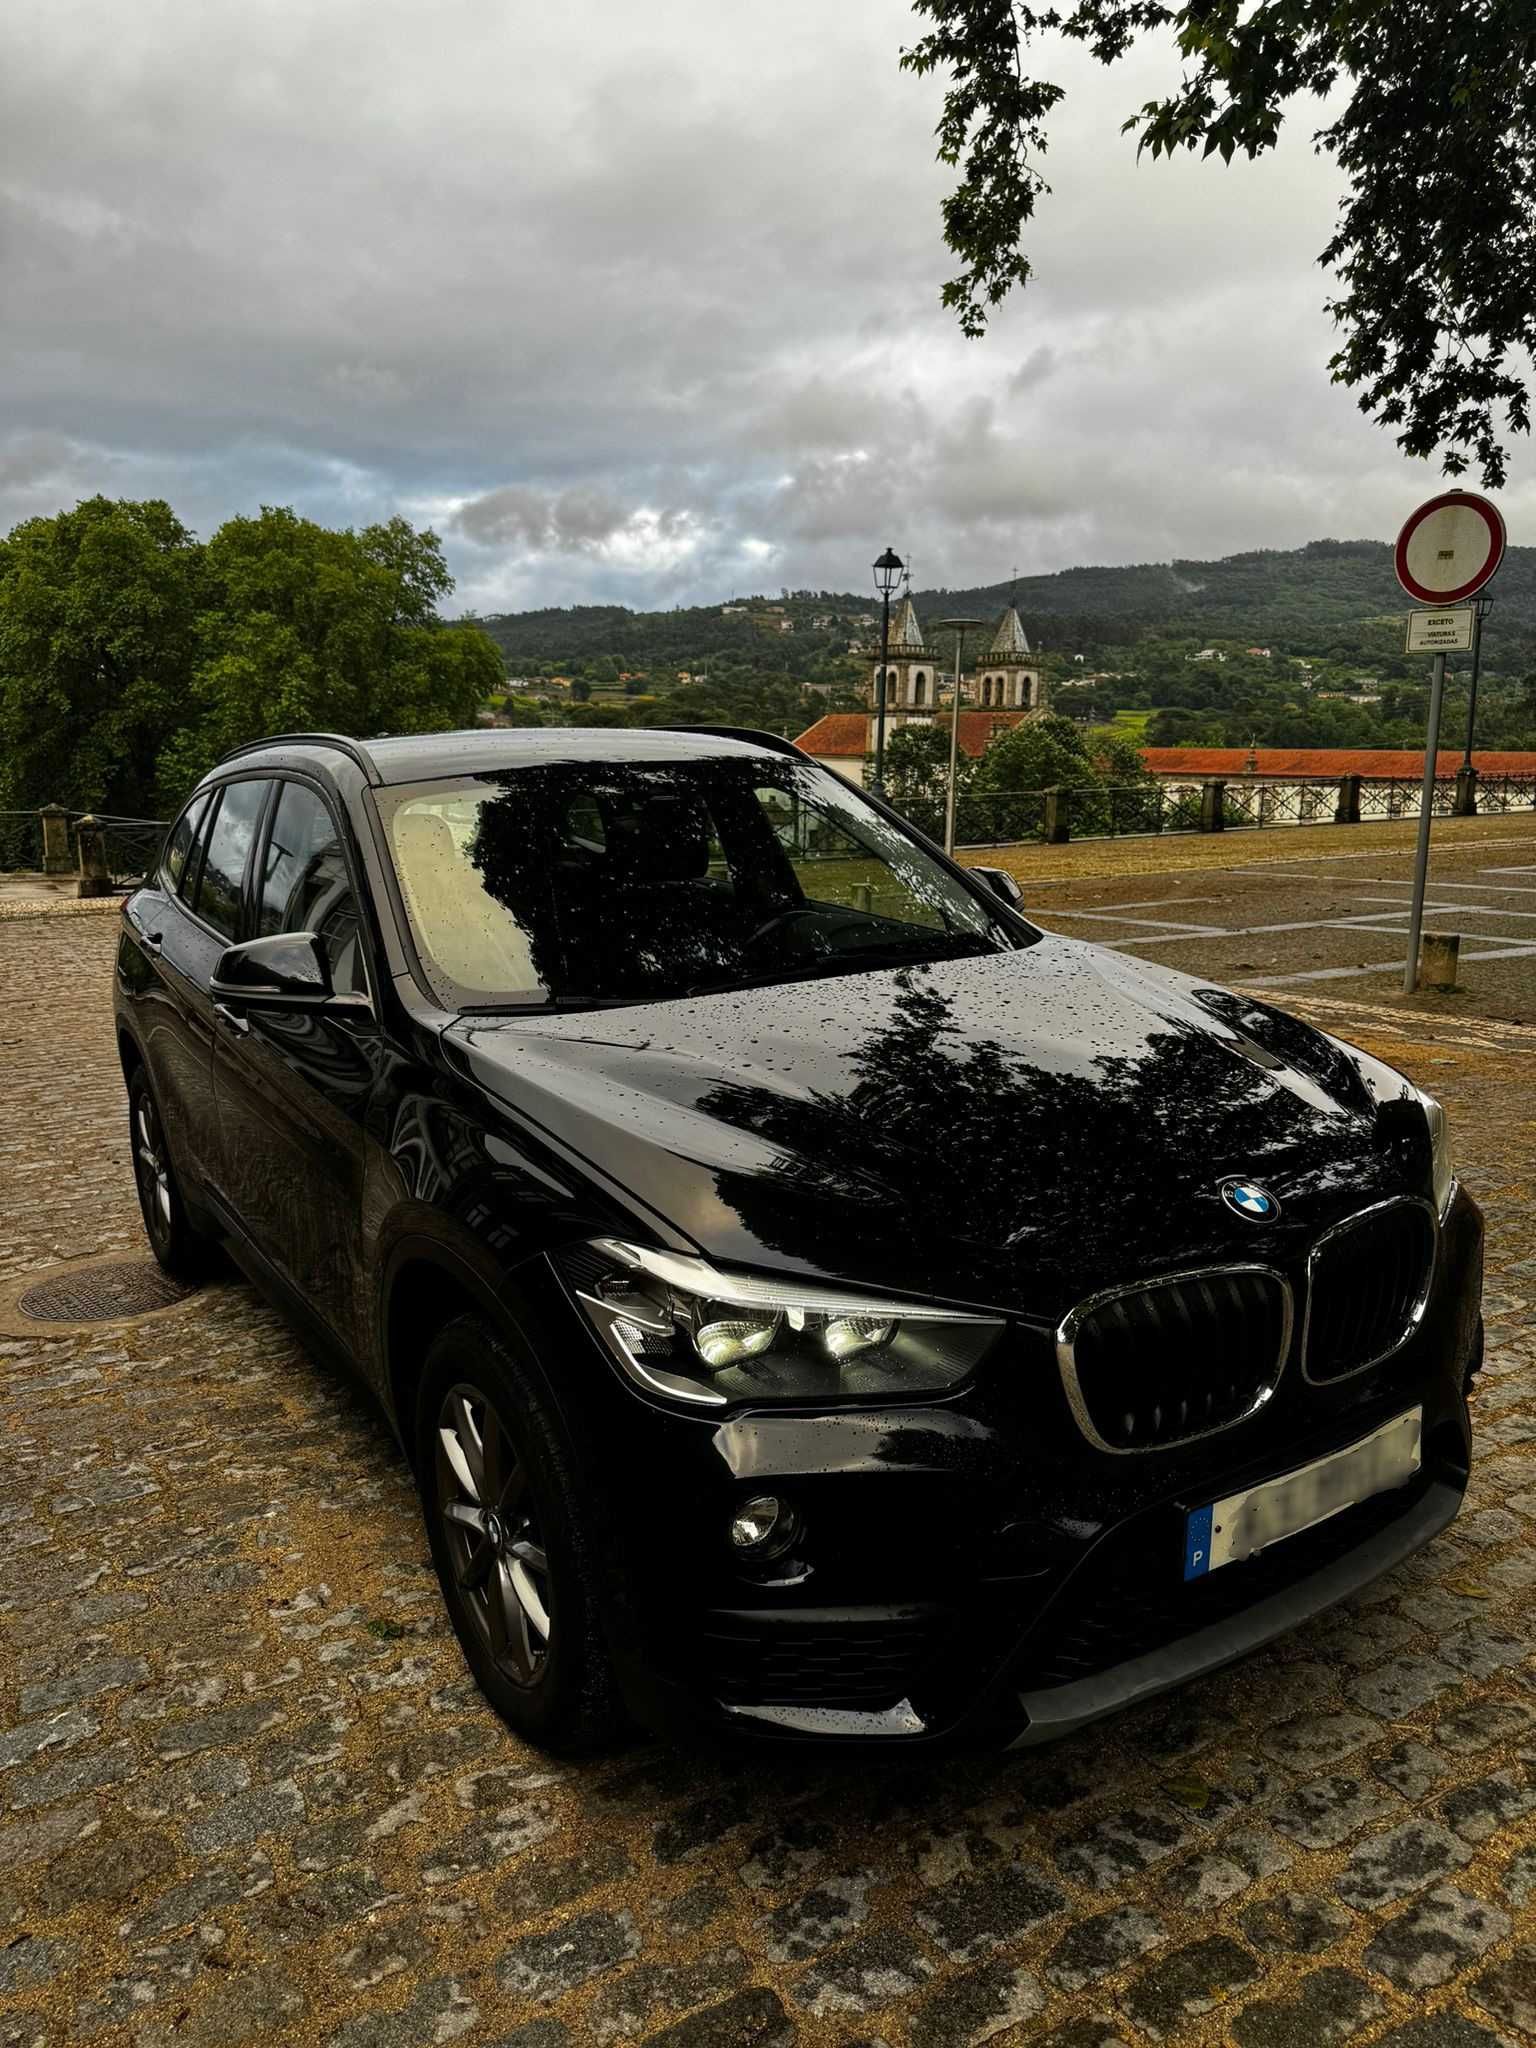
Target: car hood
[1017,1130]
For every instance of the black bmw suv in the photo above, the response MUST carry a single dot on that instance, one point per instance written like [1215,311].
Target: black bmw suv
[814,1301]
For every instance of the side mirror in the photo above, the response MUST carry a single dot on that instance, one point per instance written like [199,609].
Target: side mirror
[288,971]
[1001,883]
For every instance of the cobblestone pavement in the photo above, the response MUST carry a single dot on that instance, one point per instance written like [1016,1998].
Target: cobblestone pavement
[246,1793]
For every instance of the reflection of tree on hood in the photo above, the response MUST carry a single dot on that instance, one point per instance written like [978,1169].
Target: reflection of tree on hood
[987,1147]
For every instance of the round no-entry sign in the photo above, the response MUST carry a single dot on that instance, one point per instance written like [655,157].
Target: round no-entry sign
[1450,548]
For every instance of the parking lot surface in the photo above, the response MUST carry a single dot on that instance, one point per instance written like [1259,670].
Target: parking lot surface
[247,1794]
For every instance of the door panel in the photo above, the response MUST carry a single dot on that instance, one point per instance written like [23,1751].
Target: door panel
[292,1086]
[167,961]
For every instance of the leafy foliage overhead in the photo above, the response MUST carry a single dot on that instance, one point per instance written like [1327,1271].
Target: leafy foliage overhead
[133,656]
[1435,244]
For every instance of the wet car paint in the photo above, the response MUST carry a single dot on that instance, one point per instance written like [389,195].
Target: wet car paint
[1011,1132]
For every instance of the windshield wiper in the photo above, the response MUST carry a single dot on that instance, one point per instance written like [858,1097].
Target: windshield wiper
[872,959]
[546,1005]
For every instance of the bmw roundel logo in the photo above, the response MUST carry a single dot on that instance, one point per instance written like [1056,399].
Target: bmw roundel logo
[1247,1198]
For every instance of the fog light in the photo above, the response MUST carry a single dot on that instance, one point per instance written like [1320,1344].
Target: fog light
[764,1526]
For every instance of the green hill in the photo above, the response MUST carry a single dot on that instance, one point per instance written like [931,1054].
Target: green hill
[1329,599]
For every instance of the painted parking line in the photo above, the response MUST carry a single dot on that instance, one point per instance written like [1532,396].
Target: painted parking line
[1167,924]
[1436,881]
[1367,921]
[1454,909]
[1158,903]
[1389,967]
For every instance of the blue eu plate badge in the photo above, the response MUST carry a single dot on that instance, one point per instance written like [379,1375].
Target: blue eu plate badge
[1245,1523]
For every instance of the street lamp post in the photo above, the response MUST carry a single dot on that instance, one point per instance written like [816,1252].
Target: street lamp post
[959,627]
[888,573]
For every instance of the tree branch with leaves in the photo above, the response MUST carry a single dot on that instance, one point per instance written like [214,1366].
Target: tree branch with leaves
[1434,248]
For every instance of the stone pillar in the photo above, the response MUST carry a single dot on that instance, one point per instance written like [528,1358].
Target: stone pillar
[1465,805]
[91,847]
[56,859]
[1213,807]
[1439,955]
[1348,811]
[1058,816]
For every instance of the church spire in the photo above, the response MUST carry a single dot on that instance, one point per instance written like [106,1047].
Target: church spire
[1010,638]
[906,633]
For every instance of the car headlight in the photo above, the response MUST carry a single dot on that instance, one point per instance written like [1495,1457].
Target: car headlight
[684,1329]
[1442,1171]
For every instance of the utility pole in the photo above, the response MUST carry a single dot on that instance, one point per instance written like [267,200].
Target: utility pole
[959,627]
[1480,608]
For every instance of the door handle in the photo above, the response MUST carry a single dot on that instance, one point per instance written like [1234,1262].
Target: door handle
[232,1018]
[152,942]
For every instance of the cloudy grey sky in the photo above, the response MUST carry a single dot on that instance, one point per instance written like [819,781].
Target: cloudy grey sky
[640,304]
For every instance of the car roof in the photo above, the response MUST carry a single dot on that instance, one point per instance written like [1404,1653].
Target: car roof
[425,757]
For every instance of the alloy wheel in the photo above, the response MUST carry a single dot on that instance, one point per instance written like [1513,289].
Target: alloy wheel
[152,1168]
[494,1544]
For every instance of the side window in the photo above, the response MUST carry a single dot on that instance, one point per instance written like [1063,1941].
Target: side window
[305,886]
[174,865]
[229,846]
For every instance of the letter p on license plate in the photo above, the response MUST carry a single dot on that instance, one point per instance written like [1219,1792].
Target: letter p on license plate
[1245,1523]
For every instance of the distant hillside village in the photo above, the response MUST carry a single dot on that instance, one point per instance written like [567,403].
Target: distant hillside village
[1004,693]
[1269,650]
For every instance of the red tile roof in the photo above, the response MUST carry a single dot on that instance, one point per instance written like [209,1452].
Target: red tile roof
[841,734]
[1325,763]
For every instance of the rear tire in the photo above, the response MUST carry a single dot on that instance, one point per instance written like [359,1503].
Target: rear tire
[181,1249]
[511,1540]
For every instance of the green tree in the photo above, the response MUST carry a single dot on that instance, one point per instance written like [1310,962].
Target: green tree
[1116,757]
[305,628]
[917,772]
[97,642]
[1435,243]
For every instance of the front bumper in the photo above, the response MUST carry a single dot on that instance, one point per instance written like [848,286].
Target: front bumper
[1052,1711]
[975,1573]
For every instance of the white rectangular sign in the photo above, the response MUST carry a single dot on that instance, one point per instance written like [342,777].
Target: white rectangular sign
[1441,632]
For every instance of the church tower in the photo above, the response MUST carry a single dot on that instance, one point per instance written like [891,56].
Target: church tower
[1007,681]
[907,679]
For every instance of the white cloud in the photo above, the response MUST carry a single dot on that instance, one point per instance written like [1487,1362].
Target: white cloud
[643,305]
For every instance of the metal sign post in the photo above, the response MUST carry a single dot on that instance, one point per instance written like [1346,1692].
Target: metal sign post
[1446,552]
[1426,818]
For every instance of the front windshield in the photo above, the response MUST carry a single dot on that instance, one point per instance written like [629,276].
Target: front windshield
[590,882]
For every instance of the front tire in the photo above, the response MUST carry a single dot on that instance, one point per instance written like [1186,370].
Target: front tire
[510,1539]
[179,1247]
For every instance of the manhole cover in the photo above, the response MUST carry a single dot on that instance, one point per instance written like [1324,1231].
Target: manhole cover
[100,1294]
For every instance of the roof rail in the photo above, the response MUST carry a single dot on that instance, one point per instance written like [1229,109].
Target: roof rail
[354,749]
[773,740]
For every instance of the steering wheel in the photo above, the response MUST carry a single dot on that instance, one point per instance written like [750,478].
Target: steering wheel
[783,918]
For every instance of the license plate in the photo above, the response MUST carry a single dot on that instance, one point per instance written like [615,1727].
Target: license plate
[1245,1523]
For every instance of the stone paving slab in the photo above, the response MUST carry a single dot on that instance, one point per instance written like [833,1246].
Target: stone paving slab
[248,1794]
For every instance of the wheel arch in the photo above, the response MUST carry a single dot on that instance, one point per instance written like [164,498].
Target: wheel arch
[426,1287]
[130,1054]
